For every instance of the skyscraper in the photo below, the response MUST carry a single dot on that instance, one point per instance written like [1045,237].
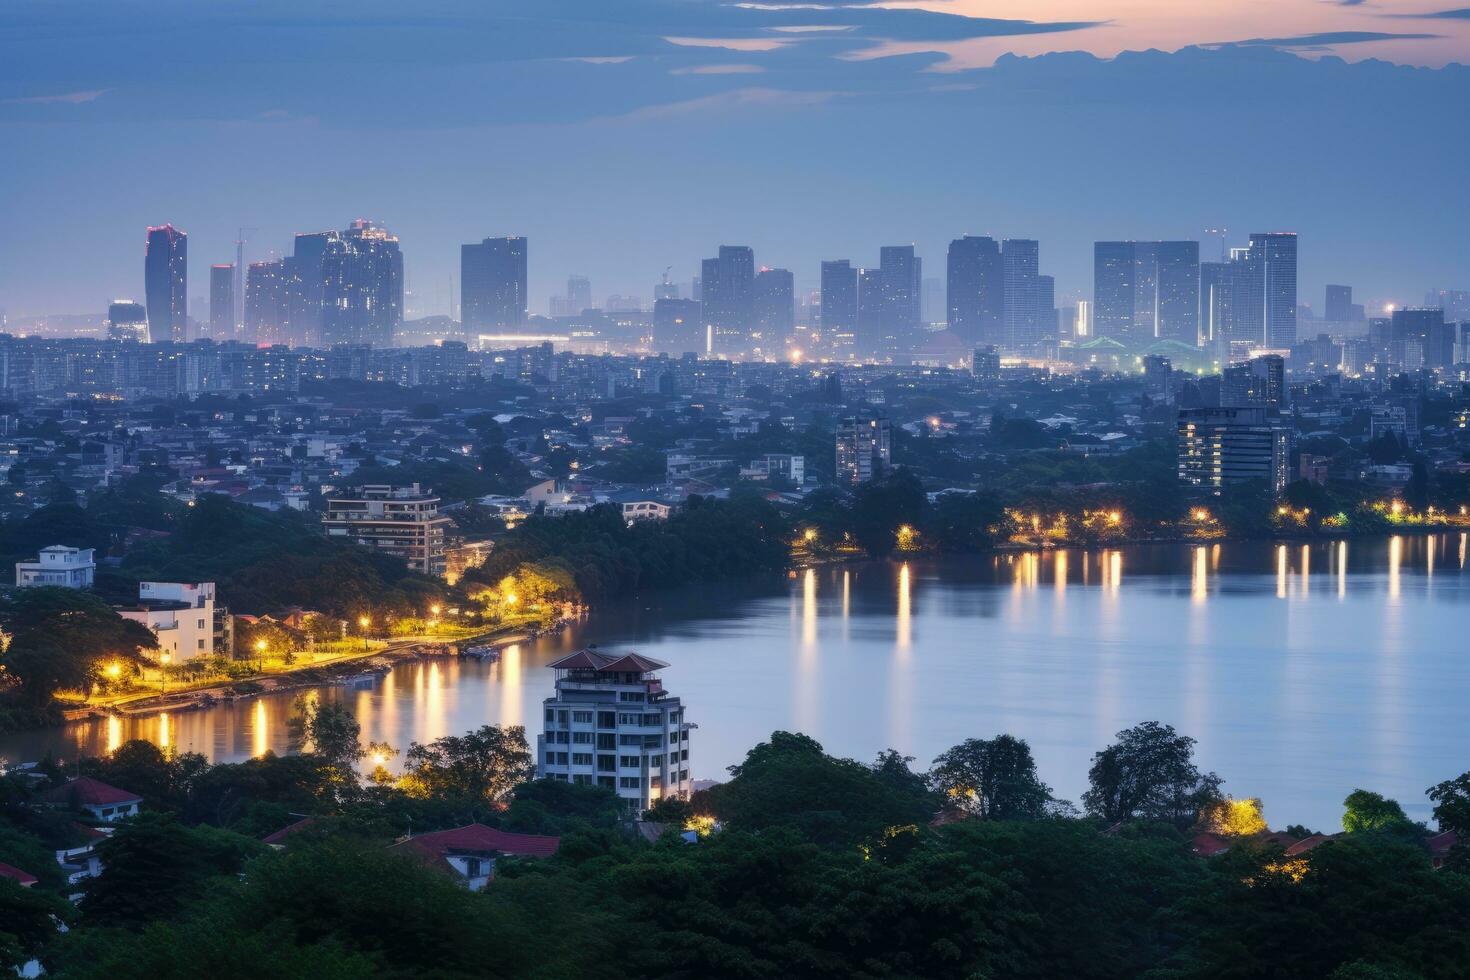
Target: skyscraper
[166,283]
[901,275]
[265,302]
[1146,291]
[839,306]
[727,284]
[871,313]
[677,327]
[1021,265]
[362,290]
[1421,338]
[1219,285]
[579,294]
[222,302]
[306,285]
[1339,306]
[976,290]
[1269,317]
[773,304]
[492,277]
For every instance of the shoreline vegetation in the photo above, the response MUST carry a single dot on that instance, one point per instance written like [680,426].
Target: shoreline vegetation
[799,863]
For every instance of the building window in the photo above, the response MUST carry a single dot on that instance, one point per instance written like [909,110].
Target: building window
[629,719]
[582,779]
[581,758]
[582,717]
[607,781]
[607,719]
[582,738]
[606,741]
[629,782]
[628,761]
[550,717]
[607,763]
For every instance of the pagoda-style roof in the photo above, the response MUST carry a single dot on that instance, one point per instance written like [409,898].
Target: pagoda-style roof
[610,663]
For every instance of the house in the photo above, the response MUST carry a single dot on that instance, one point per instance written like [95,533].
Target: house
[101,802]
[23,878]
[470,852]
[1439,847]
[1209,845]
[181,616]
[68,568]
[281,838]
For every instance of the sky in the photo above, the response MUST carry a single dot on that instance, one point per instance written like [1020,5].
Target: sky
[623,137]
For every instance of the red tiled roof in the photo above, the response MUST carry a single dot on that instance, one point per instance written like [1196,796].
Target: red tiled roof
[1440,844]
[1208,845]
[86,791]
[24,877]
[279,837]
[91,833]
[1306,844]
[478,837]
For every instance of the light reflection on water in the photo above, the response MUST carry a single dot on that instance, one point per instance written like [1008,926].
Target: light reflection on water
[1296,694]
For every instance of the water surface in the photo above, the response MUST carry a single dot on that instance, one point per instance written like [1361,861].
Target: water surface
[1304,671]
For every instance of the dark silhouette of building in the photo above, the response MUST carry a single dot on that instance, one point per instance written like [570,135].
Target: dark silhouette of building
[901,274]
[492,276]
[265,302]
[774,308]
[839,307]
[222,301]
[975,284]
[1021,262]
[727,285]
[1268,316]
[166,283]
[1339,305]
[1420,338]
[678,327]
[306,286]
[127,320]
[1146,291]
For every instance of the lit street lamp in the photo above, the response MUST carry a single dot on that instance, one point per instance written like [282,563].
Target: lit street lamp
[260,655]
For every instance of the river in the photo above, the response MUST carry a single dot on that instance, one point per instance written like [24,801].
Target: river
[1304,671]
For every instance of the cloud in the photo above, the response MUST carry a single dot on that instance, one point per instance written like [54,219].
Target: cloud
[1325,39]
[1463,13]
[65,98]
[735,69]
[710,105]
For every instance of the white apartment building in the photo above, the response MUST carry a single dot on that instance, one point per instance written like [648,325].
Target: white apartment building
[181,616]
[612,724]
[402,521]
[69,568]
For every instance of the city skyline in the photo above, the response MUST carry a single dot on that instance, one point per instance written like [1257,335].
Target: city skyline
[474,123]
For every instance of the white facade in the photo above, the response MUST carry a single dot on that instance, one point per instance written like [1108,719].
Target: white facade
[611,724]
[70,568]
[181,616]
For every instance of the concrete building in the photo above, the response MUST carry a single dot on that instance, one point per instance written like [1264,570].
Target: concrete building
[69,568]
[864,449]
[612,724]
[1219,446]
[181,616]
[403,521]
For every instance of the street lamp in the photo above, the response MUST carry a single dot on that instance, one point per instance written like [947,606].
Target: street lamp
[163,659]
[363,622]
[260,655]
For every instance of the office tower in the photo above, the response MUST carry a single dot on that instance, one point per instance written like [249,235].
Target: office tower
[362,289]
[1462,342]
[1454,302]
[664,289]
[727,283]
[222,302]
[678,327]
[1268,317]
[1177,302]
[1221,446]
[1146,291]
[976,290]
[1020,263]
[773,305]
[1047,325]
[839,307]
[871,313]
[305,286]
[492,284]
[166,283]
[1339,306]
[1082,327]
[1421,338]
[612,725]
[901,275]
[579,291]
[1221,293]
[985,364]
[127,320]
[401,521]
[931,300]
[265,302]
[864,449]
[1258,381]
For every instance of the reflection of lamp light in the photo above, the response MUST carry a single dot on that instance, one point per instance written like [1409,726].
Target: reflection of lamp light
[434,610]
[114,670]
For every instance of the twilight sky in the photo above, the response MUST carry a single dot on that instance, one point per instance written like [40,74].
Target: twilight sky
[623,136]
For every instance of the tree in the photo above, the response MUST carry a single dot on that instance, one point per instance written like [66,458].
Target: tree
[1366,810]
[27,922]
[961,522]
[993,779]
[1233,818]
[480,766]
[1452,805]
[881,507]
[64,639]
[1149,774]
[333,733]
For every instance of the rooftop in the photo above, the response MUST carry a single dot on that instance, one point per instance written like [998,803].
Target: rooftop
[607,663]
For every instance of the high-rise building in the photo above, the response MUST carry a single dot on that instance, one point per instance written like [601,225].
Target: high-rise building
[166,283]
[1221,446]
[265,302]
[727,286]
[362,289]
[1047,325]
[1146,291]
[1454,302]
[1268,316]
[612,725]
[492,284]
[1258,381]
[864,449]
[773,305]
[663,289]
[222,302]
[985,364]
[931,300]
[678,327]
[901,273]
[127,320]
[839,307]
[1339,305]
[579,293]
[976,290]
[871,313]
[305,275]
[1421,338]
[401,521]
[1021,262]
